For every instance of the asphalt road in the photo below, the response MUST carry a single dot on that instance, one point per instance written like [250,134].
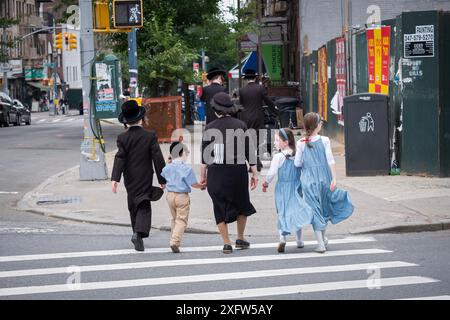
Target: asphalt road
[45,258]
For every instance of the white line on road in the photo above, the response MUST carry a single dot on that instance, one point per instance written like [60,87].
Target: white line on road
[189,262]
[198,278]
[65,255]
[9,192]
[56,120]
[429,298]
[296,289]
[69,120]
[42,120]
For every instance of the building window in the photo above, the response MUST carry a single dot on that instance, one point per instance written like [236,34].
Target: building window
[75,75]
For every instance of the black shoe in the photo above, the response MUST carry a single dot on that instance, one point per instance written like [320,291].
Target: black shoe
[242,244]
[227,248]
[281,247]
[175,249]
[138,242]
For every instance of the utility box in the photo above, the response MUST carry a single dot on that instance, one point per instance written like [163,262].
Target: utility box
[425,79]
[366,135]
[108,87]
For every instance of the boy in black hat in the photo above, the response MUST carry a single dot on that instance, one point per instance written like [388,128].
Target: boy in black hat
[217,79]
[138,153]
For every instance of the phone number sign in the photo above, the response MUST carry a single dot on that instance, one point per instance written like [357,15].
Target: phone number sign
[420,44]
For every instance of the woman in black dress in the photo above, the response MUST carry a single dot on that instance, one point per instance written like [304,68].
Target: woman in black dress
[224,168]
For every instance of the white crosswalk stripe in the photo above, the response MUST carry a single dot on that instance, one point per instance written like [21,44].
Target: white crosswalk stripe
[58,120]
[197,278]
[65,255]
[284,290]
[429,298]
[190,262]
[191,271]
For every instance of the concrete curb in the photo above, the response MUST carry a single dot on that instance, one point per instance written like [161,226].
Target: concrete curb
[405,228]
[28,204]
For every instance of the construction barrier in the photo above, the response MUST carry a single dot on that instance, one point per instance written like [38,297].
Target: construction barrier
[163,116]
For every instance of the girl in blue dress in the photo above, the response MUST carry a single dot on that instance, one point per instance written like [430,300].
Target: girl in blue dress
[318,180]
[293,212]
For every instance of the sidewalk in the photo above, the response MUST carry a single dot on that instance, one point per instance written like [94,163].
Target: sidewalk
[382,204]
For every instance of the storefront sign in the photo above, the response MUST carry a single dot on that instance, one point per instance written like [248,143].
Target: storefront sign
[378,54]
[273,59]
[341,77]
[323,84]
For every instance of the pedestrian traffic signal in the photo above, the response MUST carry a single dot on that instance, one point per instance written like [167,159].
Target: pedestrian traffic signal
[66,40]
[58,41]
[127,13]
[73,42]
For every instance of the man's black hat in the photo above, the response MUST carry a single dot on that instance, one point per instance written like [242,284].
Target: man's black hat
[223,103]
[131,112]
[250,74]
[215,72]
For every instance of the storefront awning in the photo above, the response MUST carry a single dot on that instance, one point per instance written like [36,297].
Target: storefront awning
[249,62]
[39,85]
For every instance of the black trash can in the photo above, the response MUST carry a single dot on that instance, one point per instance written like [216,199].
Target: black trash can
[287,107]
[366,135]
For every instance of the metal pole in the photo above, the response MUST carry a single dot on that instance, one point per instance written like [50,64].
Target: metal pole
[5,72]
[258,9]
[203,60]
[132,62]
[54,65]
[92,162]
[239,45]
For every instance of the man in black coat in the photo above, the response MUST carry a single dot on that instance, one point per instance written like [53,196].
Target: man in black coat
[253,97]
[138,152]
[217,78]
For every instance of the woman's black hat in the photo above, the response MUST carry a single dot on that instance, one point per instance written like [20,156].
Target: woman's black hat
[215,72]
[223,103]
[250,74]
[131,112]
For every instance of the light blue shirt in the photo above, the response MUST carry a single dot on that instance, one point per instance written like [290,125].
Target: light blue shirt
[179,176]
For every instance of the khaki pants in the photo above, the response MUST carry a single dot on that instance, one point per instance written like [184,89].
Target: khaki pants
[179,204]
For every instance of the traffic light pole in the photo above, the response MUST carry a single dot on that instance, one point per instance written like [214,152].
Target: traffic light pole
[92,161]
[132,63]
[55,62]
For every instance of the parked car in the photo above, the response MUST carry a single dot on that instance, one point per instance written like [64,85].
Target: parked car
[23,113]
[8,114]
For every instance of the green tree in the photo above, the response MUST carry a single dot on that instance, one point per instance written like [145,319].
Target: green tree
[6,23]
[163,57]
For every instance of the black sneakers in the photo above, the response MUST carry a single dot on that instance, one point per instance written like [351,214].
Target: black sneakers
[242,244]
[138,242]
[175,249]
[227,248]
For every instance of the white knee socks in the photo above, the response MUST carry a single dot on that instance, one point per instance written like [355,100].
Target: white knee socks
[325,239]
[300,243]
[320,244]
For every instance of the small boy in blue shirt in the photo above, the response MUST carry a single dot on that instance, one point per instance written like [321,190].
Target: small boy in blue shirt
[180,178]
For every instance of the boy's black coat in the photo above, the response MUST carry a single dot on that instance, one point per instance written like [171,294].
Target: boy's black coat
[138,152]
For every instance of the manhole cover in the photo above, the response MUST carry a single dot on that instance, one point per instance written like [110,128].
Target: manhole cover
[46,200]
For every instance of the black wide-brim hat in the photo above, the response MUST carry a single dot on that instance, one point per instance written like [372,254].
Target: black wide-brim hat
[131,112]
[250,74]
[223,103]
[215,72]
[156,194]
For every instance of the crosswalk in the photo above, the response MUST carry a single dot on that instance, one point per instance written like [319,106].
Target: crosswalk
[57,120]
[203,273]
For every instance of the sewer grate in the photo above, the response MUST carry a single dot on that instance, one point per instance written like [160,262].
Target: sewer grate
[46,200]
